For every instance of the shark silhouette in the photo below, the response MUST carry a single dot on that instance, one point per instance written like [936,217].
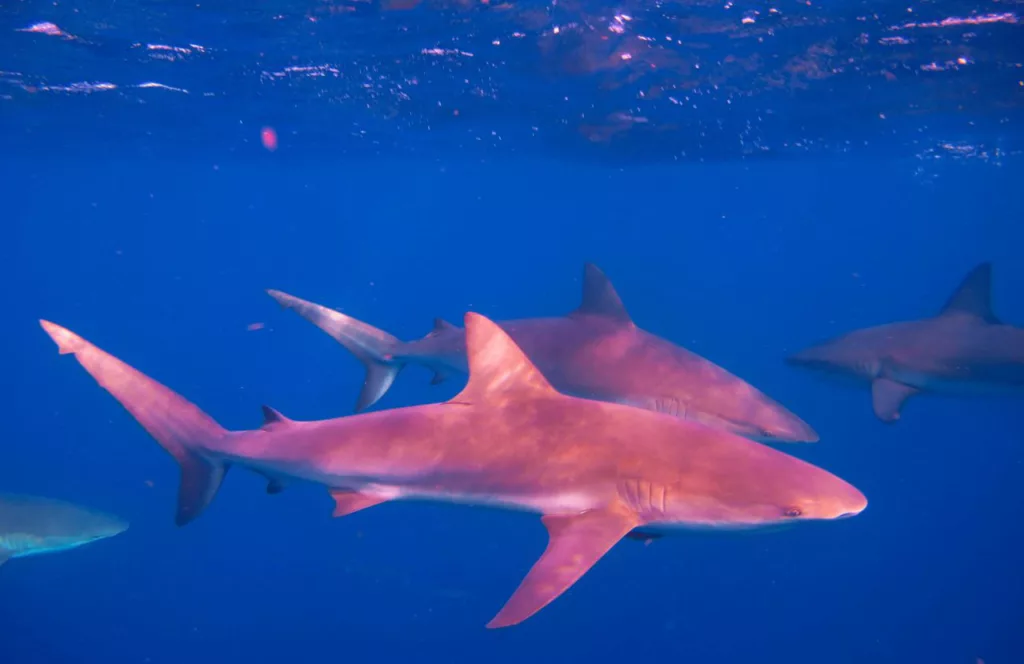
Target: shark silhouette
[33,525]
[595,352]
[595,470]
[963,349]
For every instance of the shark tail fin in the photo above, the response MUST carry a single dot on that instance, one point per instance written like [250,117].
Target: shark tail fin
[374,348]
[179,426]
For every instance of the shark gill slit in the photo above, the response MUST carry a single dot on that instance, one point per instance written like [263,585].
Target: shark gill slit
[646,498]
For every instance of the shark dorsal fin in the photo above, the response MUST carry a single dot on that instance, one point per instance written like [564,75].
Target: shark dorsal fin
[600,298]
[498,368]
[441,325]
[273,418]
[974,296]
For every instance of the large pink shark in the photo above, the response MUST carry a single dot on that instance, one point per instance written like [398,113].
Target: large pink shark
[595,470]
[964,349]
[596,352]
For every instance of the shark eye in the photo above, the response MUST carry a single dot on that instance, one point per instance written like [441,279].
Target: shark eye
[792,512]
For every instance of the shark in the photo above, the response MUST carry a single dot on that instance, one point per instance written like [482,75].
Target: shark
[963,349]
[34,525]
[595,352]
[595,471]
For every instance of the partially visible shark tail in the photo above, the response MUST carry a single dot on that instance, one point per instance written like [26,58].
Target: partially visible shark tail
[374,348]
[178,425]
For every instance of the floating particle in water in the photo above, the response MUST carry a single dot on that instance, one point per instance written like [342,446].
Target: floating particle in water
[269,138]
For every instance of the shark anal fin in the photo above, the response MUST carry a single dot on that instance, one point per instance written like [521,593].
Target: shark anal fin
[349,502]
[575,544]
[600,298]
[888,396]
[973,297]
[498,368]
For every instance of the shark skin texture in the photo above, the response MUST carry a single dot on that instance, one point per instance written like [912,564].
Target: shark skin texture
[595,352]
[595,471]
[964,349]
[34,525]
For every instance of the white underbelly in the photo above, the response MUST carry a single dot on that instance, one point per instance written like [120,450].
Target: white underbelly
[565,502]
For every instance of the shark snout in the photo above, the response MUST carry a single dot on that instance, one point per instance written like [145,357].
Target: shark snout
[791,428]
[852,504]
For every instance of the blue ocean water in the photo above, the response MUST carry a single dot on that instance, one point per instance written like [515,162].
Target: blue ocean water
[150,221]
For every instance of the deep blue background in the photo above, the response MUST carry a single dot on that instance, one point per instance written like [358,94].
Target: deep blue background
[164,264]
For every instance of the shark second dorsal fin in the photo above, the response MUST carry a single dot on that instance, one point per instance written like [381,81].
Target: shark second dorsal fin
[498,368]
[974,296]
[273,418]
[441,325]
[600,298]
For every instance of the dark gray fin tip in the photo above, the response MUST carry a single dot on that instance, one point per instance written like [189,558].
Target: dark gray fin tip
[200,481]
[273,416]
[973,296]
[379,378]
[274,487]
[438,378]
[600,298]
[440,325]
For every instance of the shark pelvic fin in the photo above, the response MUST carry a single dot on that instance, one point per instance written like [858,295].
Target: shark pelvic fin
[973,297]
[180,427]
[600,298]
[888,396]
[374,348]
[348,502]
[575,544]
[498,368]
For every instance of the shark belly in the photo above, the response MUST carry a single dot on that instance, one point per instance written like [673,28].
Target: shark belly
[558,502]
[940,383]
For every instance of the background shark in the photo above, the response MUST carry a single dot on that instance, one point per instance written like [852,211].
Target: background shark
[964,349]
[595,352]
[30,525]
[594,470]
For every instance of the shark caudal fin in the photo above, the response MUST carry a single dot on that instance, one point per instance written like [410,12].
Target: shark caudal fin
[373,347]
[178,425]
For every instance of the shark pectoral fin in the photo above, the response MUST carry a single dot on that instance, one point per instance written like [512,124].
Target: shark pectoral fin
[4,556]
[348,502]
[887,397]
[575,544]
